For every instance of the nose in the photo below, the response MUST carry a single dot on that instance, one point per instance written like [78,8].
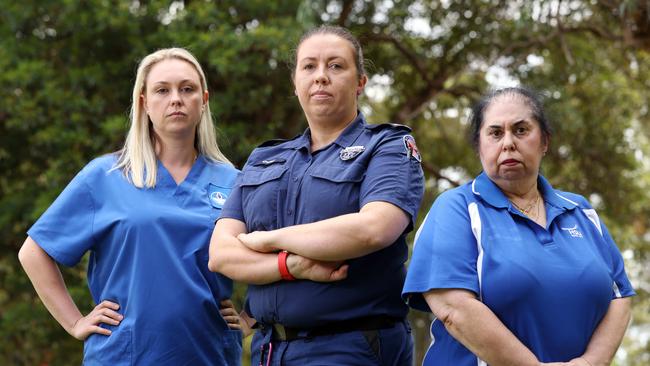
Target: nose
[321,75]
[508,141]
[175,97]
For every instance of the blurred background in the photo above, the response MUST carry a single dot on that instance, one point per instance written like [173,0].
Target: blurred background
[67,70]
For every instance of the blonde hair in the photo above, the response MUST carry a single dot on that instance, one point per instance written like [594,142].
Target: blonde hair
[137,159]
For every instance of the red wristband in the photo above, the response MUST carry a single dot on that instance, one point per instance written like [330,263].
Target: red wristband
[282,266]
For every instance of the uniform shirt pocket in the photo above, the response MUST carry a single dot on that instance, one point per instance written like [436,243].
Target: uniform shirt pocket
[261,194]
[334,190]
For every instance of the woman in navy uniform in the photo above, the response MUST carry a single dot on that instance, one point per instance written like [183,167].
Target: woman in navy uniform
[145,214]
[516,271]
[316,224]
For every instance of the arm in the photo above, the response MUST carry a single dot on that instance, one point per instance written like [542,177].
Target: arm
[475,326]
[229,256]
[377,225]
[608,335]
[50,287]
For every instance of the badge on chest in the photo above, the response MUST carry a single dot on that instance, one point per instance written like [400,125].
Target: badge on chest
[217,195]
[351,152]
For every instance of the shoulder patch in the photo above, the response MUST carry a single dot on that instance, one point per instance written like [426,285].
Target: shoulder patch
[275,142]
[411,148]
[382,126]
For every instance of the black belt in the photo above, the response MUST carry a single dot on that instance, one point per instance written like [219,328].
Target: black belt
[282,333]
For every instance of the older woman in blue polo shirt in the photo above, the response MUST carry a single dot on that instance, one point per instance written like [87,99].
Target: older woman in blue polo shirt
[515,271]
[316,224]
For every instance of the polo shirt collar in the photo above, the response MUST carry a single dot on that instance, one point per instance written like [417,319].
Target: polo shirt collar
[484,187]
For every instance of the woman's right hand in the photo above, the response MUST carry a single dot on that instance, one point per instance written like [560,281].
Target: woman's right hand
[104,313]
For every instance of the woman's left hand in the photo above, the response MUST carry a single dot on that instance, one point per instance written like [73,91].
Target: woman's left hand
[258,241]
[229,314]
[234,319]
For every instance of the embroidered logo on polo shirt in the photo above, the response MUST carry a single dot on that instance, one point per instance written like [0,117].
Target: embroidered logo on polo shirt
[573,231]
[217,195]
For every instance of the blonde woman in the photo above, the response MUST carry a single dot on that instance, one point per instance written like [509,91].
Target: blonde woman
[145,214]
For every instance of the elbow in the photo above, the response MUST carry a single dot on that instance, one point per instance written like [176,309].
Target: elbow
[215,264]
[25,254]
[376,237]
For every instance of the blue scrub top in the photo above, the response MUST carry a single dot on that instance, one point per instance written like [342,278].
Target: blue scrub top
[148,253]
[550,286]
[284,183]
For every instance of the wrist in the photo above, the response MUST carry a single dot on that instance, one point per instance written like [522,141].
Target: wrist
[283,268]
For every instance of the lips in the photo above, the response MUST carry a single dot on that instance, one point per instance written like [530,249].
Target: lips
[177,114]
[320,94]
[510,162]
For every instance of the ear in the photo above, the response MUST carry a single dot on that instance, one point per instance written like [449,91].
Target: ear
[361,84]
[545,143]
[143,102]
[206,97]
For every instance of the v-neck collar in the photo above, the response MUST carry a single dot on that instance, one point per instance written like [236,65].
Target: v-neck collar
[165,179]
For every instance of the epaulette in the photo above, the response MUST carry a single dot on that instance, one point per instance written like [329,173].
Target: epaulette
[275,142]
[381,126]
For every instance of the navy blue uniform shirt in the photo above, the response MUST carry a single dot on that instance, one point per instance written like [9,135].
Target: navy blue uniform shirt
[284,184]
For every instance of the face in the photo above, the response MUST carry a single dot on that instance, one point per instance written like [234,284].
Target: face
[511,143]
[326,79]
[173,97]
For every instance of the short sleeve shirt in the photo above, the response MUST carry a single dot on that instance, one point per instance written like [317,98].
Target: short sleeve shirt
[148,253]
[550,286]
[284,184]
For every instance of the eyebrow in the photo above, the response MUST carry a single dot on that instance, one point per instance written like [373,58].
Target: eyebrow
[311,58]
[164,82]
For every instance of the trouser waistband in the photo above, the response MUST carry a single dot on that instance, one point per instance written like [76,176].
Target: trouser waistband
[368,323]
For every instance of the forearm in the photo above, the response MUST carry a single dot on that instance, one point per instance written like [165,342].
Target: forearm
[49,284]
[376,226]
[231,258]
[608,335]
[475,326]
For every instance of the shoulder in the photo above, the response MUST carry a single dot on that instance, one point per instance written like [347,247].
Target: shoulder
[389,127]
[387,130]
[276,142]
[573,198]
[459,198]
[99,166]
[221,172]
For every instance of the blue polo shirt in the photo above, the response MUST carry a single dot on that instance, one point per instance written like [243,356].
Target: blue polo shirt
[284,183]
[148,253]
[550,286]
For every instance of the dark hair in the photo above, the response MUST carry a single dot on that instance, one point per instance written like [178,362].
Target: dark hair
[529,97]
[337,31]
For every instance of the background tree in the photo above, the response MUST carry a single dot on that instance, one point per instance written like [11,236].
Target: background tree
[68,69]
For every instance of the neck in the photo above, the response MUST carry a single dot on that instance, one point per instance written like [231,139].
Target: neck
[520,190]
[324,130]
[175,153]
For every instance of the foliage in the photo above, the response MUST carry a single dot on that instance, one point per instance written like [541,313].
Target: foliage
[68,69]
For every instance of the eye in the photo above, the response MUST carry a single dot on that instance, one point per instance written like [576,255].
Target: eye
[495,133]
[187,89]
[308,66]
[335,66]
[161,91]
[521,130]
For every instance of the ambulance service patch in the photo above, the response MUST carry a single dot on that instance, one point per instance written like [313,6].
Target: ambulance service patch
[411,148]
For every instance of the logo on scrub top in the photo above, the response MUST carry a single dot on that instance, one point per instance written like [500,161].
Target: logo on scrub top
[217,195]
[573,231]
